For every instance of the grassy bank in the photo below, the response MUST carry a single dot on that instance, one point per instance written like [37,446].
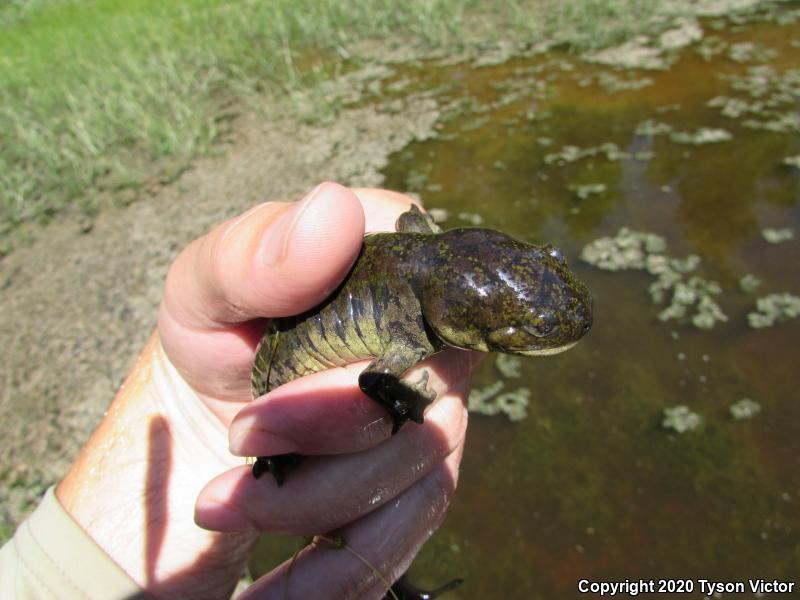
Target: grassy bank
[96,96]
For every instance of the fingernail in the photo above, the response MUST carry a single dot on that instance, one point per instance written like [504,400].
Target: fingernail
[219,517]
[278,235]
[254,441]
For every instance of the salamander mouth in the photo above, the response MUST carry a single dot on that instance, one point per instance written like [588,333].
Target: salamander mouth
[543,351]
[522,341]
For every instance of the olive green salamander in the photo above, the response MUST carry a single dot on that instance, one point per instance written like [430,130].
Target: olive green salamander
[412,293]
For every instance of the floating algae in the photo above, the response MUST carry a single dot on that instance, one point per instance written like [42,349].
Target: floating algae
[704,135]
[786,122]
[745,409]
[774,308]
[681,419]
[514,404]
[685,32]
[694,292]
[757,82]
[584,191]
[471,218]
[500,165]
[612,152]
[476,123]
[440,215]
[733,108]
[776,94]
[749,283]
[658,264]
[743,52]
[651,127]
[488,401]
[708,314]
[567,154]
[711,46]
[641,250]
[776,236]
[416,180]
[613,83]
[635,54]
[508,365]
[627,250]
[478,396]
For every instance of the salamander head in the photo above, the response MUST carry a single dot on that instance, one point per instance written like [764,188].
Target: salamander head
[490,292]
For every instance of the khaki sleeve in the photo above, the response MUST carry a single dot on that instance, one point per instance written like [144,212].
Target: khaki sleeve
[50,556]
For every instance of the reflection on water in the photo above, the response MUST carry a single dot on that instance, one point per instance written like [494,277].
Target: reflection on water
[590,486]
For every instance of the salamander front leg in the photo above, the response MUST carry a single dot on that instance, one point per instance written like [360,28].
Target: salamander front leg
[402,399]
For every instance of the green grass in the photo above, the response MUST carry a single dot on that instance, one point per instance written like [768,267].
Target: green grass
[593,24]
[93,94]
[99,95]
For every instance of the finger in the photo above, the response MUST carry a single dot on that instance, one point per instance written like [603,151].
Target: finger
[223,279]
[277,259]
[382,207]
[326,413]
[387,539]
[329,491]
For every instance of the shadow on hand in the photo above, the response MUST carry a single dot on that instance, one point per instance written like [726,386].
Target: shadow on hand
[369,496]
[196,580]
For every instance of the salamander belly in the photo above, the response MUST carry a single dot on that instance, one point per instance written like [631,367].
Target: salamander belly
[343,331]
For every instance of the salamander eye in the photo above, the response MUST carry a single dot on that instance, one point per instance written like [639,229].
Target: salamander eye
[543,324]
[556,254]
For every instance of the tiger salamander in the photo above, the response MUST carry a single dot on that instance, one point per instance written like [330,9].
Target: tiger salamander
[414,292]
[411,294]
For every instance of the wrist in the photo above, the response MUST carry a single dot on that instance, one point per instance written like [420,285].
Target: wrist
[135,482]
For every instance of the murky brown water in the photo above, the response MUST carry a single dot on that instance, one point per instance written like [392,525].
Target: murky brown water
[590,485]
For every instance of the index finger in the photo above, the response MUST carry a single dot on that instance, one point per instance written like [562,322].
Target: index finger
[382,207]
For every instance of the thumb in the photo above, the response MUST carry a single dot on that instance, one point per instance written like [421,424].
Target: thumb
[275,260]
[308,250]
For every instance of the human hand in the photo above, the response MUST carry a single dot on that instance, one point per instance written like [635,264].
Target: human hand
[385,493]
[165,436]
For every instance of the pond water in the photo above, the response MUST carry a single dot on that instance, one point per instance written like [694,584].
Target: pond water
[591,485]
